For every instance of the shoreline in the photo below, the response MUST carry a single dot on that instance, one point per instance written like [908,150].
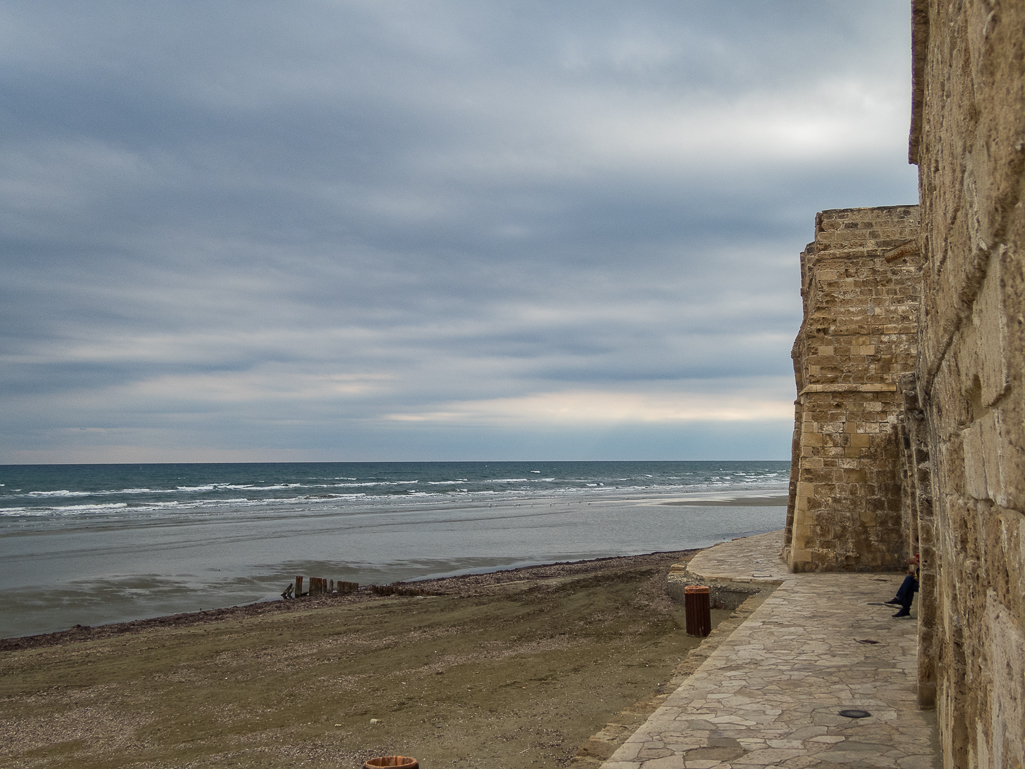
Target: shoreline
[202,565]
[463,584]
[759,499]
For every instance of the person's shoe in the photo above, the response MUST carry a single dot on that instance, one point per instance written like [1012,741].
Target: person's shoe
[902,613]
[892,602]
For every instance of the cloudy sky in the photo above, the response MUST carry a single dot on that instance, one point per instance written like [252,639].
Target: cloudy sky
[427,229]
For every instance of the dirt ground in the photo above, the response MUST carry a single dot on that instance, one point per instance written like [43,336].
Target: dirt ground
[513,669]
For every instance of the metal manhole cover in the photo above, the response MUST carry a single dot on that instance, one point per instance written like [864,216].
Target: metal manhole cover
[855,713]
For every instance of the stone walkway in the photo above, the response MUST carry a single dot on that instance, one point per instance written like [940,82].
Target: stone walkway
[772,693]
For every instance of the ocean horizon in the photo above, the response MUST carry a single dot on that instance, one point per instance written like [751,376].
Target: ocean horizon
[96,544]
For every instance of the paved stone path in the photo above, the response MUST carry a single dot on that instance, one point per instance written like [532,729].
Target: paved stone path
[771,694]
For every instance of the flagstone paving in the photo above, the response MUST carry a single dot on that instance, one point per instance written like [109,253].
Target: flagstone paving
[771,694]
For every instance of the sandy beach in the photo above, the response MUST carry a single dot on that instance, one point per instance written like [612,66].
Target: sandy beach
[513,669]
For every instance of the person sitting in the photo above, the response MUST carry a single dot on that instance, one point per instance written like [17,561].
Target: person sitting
[906,591]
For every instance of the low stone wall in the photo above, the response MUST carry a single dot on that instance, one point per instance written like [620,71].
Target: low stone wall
[721,595]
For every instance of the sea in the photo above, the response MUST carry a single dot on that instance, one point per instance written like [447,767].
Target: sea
[96,544]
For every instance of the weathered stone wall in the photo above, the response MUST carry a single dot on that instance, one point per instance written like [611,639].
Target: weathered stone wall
[968,139]
[919,529]
[860,285]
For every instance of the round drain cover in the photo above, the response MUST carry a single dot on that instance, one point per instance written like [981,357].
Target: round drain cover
[855,713]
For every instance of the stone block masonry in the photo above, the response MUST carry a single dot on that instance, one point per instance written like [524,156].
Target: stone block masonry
[860,285]
[968,141]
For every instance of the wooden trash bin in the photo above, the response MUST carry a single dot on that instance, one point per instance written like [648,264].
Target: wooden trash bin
[699,611]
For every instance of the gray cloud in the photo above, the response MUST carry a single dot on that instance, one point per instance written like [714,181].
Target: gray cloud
[400,230]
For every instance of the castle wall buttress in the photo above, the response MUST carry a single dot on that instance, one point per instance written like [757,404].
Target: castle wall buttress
[860,285]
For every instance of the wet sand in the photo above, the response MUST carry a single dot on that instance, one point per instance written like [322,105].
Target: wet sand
[513,669]
[776,500]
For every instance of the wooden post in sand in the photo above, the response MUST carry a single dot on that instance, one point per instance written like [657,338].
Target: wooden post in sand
[298,586]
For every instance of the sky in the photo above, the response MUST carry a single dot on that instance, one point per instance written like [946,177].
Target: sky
[348,230]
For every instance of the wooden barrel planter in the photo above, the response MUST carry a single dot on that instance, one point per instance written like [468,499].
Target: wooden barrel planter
[395,762]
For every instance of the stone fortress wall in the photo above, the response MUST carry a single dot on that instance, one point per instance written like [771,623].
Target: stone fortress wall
[945,446]
[860,285]
[968,141]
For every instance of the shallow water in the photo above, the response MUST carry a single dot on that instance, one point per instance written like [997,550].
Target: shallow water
[74,551]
